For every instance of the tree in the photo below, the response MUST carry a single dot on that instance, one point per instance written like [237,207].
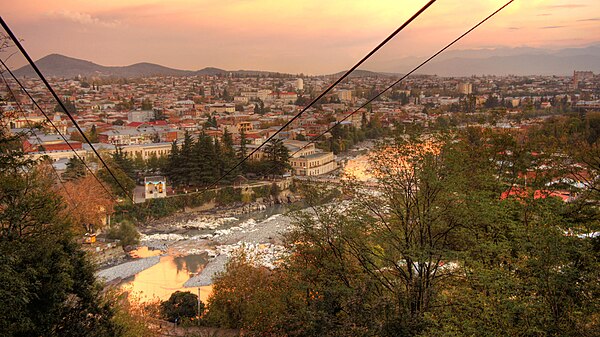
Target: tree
[181,304]
[75,169]
[491,102]
[275,190]
[173,165]
[123,162]
[228,157]
[122,167]
[47,283]
[154,164]
[436,248]
[277,156]
[87,204]
[205,163]
[146,104]
[259,107]
[93,134]
[302,100]
[211,122]
[69,105]
[243,151]
[125,232]
[237,302]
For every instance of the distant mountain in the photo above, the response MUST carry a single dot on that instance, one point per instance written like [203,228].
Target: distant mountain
[362,73]
[56,65]
[64,66]
[505,61]
[210,71]
[490,61]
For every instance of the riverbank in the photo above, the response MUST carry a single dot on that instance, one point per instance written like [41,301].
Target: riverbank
[262,242]
[213,234]
[126,270]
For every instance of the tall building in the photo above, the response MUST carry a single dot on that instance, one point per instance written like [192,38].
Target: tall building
[464,88]
[344,95]
[579,76]
[299,84]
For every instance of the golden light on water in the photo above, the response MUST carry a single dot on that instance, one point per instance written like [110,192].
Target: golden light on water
[166,277]
[144,252]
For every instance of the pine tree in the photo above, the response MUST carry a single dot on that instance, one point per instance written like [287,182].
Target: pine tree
[207,169]
[47,283]
[124,162]
[75,169]
[172,165]
[186,167]
[229,155]
[93,135]
[243,152]
[278,156]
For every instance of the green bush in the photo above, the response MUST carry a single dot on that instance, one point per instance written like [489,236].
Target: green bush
[125,232]
[181,305]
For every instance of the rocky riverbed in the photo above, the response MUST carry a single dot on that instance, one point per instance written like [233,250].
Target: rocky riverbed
[216,235]
[126,270]
[260,240]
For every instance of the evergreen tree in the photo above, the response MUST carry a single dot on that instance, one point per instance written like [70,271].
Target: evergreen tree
[123,162]
[220,161]
[243,152]
[277,156]
[69,105]
[229,156]
[206,169]
[187,160]
[172,165]
[47,283]
[75,169]
[146,104]
[93,134]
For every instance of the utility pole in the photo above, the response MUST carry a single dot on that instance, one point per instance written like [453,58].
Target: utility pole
[198,320]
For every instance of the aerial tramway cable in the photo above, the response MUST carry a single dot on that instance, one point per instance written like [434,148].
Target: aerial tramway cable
[60,103]
[55,127]
[403,77]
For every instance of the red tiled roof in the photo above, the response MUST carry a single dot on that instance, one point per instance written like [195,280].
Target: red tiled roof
[537,194]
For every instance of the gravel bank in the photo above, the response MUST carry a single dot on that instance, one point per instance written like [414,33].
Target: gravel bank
[215,266]
[128,269]
[267,231]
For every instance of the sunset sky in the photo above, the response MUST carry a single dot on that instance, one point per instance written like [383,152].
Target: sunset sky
[313,37]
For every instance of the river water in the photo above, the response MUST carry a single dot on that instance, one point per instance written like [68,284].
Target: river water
[181,261]
[161,280]
[176,266]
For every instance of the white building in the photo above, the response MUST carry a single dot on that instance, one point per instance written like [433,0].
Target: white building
[155,187]
[464,88]
[140,116]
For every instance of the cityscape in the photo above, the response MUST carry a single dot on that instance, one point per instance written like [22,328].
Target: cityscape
[452,198]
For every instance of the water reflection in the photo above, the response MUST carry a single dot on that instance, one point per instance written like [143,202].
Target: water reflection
[144,251]
[191,263]
[173,270]
[166,277]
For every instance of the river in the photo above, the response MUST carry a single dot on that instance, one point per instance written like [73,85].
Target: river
[186,254]
[194,256]
[165,277]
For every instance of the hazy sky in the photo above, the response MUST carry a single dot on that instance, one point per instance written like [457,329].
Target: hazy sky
[310,36]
